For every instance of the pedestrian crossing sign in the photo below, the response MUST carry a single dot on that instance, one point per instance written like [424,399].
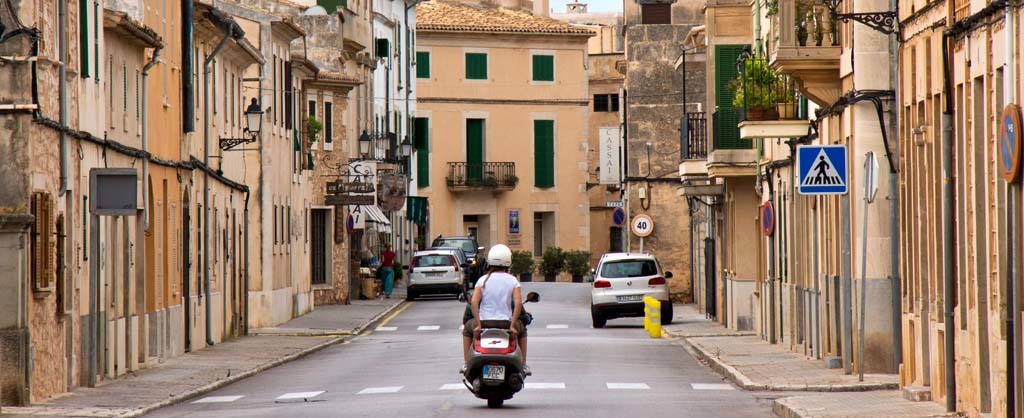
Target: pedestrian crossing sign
[822,169]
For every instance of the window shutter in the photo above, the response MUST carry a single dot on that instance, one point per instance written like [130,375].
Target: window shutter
[543,68]
[42,235]
[289,102]
[727,130]
[476,66]
[656,14]
[383,48]
[83,37]
[544,153]
[422,138]
[422,65]
[328,122]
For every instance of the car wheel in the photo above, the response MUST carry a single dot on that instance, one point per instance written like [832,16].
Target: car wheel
[410,294]
[598,319]
[666,312]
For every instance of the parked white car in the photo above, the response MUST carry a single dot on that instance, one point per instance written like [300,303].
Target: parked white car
[438,271]
[620,282]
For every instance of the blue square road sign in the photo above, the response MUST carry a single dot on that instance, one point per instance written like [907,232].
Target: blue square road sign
[822,170]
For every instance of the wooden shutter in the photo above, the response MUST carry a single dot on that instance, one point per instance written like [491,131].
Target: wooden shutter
[328,122]
[422,65]
[656,14]
[474,149]
[42,241]
[383,48]
[726,130]
[476,66]
[289,101]
[83,38]
[421,135]
[544,153]
[543,68]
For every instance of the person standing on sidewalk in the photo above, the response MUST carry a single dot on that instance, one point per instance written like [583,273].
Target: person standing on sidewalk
[387,266]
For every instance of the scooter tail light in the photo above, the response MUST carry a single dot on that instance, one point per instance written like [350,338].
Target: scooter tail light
[656,281]
[601,284]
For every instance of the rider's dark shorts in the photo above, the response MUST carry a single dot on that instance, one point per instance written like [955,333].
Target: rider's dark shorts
[467,329]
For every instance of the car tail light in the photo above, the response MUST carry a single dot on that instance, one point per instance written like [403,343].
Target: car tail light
[600,284]
[412,263]
[656,281]
[454,262]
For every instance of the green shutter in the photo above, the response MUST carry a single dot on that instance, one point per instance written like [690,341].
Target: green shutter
[476,66]
[474,149]
[543,68]
[727,132]
[383,48]
[544,153]
[422,65]
[421,133]
[83,37]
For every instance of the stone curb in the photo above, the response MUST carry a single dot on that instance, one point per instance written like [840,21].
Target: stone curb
[782,409]
[210,387]
[746,383]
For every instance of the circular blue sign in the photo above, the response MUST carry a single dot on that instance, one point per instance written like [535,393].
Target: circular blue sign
[619,216]
[767,219]
[1009,143]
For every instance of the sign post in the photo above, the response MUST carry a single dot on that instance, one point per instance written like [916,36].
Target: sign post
[642,226]
[870,189]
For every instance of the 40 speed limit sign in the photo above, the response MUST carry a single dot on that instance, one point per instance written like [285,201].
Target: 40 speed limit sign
[642,225]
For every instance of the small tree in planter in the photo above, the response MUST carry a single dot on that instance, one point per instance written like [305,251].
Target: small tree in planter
[522,265]
[552,263]
[577,264]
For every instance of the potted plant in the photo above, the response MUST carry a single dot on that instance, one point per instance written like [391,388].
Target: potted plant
[819,29]
[786,104]
[754,90]
[313,128]
[522,265]
[772,7]
[577,264]
[552,262]
[802,17]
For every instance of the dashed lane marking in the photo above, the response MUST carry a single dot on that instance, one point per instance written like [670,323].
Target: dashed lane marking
[299,395]
[558,326]
[545,385]
[712,386]
[452,386]
[428,328]
[375,391]
[387,328]
[628,386]
[219,399]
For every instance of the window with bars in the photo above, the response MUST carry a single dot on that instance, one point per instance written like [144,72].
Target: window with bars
[606,102]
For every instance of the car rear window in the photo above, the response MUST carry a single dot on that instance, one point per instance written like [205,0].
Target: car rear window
[465,245]
[439,260]
[629,268]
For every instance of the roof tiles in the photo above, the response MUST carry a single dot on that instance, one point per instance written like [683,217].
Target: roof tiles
[458,17]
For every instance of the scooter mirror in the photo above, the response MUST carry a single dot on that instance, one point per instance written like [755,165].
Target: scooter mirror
[533,297]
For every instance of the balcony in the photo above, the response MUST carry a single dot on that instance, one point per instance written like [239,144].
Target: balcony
[693,145]
[807,48]
[355,30]
[768,101]
[491,176]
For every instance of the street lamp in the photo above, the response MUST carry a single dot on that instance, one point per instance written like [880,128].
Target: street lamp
[253,121]
[405,148]
[364,143]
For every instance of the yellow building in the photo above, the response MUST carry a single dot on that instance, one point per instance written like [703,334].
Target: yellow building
[503,98]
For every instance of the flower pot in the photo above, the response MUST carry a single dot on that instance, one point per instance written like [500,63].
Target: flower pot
[786,110]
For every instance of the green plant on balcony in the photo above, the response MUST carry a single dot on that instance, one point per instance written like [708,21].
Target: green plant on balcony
[489,181]
[511,180]
[313,128]
[754,90]
[771,7]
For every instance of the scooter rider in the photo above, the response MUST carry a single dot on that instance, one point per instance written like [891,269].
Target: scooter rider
[497,302]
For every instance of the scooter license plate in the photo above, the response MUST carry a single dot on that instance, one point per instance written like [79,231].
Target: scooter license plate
[492,372]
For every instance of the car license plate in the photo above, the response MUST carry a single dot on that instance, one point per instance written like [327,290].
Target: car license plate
[435,273]
[494,372]
[631,298]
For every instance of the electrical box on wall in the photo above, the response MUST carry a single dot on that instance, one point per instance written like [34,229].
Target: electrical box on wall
[114,191]
[641,193]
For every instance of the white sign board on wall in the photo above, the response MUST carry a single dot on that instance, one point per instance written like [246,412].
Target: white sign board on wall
[608,147]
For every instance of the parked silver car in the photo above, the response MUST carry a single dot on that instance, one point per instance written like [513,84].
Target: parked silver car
[437,271]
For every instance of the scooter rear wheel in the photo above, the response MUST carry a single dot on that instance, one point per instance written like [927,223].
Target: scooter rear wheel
[494,403]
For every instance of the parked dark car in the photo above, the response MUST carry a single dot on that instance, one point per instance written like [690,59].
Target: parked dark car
[469,246]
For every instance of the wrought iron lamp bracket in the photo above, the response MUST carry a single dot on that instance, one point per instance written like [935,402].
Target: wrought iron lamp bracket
[229,143]
[885,22]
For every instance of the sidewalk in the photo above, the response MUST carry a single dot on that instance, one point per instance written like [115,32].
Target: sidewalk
[753,364]
[181,378]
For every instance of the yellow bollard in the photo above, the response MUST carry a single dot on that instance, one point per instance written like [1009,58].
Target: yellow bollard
[652,316]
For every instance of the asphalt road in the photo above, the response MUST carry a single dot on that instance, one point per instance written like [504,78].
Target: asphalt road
[408,367]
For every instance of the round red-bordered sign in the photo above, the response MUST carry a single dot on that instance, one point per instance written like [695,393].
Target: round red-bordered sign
[1010,143]
[767,219]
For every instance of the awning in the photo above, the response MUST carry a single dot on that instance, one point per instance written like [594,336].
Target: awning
[375,215]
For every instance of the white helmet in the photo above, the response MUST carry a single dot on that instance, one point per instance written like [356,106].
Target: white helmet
[499,256]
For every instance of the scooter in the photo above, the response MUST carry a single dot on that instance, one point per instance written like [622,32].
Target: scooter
[495,368]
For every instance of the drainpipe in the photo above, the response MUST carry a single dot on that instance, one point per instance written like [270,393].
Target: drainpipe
[1013,349]
[245,265]
[229,31]
[63,92]
[145,137]
[188,117]
[947,231]
[894,202]
[757,29]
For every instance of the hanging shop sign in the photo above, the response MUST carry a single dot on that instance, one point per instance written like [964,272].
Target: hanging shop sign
[1010,143]
[348,200]
[391,191]
[347,187]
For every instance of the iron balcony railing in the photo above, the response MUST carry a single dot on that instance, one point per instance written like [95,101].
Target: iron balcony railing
[693,138]
[481,176]
[802,23]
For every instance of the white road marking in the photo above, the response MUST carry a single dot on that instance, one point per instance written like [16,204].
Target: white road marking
[628,386]
[387,328]
[557,326]
[386,389]
[712,386]
[299,395]
[428,328]
[545,385]
[452,386]
[219,399]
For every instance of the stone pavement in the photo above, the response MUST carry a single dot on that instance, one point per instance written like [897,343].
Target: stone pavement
[753,364]
[181,378]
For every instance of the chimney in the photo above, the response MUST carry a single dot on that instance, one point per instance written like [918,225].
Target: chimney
[540,8]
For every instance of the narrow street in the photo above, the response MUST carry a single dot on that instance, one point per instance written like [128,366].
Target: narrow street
[407,366]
